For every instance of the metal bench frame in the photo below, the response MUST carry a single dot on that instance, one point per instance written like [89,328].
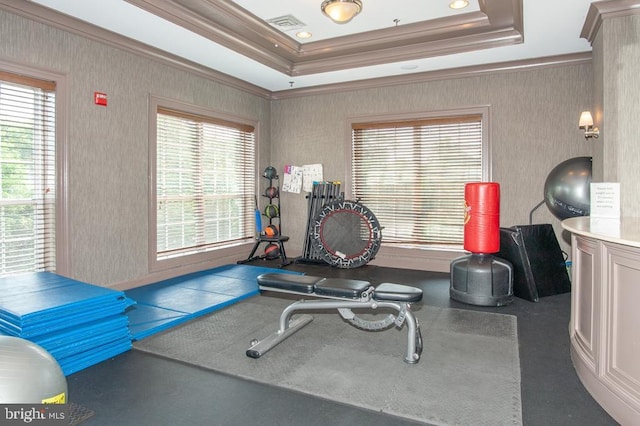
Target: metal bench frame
[344,296]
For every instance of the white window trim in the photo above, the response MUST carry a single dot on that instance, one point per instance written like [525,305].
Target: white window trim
[187,261]
[482,110]
[63,244]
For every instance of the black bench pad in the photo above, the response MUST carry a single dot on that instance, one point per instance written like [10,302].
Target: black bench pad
[290,282]
[338,287]
[397,293]
[341,287]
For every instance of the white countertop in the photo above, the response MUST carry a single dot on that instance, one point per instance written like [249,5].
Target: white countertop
[624,231]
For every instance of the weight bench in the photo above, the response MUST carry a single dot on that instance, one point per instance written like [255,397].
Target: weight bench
[343,295]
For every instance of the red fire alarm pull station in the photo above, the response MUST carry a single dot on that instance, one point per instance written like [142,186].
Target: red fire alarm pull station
[100,98]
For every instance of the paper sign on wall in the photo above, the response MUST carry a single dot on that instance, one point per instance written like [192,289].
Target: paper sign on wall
[298,178]
[311,173]
[292,179]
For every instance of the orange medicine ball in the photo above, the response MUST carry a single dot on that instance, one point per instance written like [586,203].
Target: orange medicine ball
[482,217]
[271,231]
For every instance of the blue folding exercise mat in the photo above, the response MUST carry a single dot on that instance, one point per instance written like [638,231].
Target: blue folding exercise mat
[145,320]
[77,348]
[84,337]
[78,362]
[42,302]
[78,323]
[168,303]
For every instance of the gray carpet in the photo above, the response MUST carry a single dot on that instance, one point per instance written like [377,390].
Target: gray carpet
[469,373]
[78,414]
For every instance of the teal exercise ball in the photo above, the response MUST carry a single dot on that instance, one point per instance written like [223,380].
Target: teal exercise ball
[29,374]
[567,188]
[270,173]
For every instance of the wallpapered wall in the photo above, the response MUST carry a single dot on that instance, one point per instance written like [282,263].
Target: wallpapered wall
[534,117]
[617,65]
[534,126]
[108,147]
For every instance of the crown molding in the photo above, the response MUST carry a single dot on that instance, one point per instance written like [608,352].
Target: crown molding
[72,25]
[462,72]
[225,23]
[55,19]
[498,23]
[601,10]
[407,52]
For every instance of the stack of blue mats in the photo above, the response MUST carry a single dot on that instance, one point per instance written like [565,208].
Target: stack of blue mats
[79,324]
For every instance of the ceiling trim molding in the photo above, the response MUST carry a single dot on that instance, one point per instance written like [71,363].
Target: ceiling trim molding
[401,35]
[407,52]
[72,25]
[499,23]
[224,23]
[599,11]
[75,26]
[463,72]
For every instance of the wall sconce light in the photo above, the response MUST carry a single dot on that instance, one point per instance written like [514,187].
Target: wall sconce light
[341,11]
[586,123]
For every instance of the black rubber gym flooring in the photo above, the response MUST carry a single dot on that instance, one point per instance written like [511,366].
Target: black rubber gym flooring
[140,389]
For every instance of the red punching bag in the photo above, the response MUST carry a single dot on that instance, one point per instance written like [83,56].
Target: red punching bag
[482,217]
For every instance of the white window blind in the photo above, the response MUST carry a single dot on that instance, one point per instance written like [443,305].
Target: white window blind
[411,174]
[27,181]
[205,181]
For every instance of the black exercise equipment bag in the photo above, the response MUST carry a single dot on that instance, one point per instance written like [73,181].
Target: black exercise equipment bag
[539,267]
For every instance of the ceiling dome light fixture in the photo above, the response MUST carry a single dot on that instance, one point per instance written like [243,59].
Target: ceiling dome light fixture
[341,11]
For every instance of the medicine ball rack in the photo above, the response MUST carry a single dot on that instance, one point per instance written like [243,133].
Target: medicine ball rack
[272,210]
[274,240]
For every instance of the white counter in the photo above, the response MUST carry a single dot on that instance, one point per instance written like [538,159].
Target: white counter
[605,312]
[626,231]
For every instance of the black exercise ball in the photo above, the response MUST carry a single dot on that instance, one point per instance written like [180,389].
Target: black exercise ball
[567,188]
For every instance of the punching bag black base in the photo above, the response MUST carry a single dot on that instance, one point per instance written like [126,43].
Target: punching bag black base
[481,279]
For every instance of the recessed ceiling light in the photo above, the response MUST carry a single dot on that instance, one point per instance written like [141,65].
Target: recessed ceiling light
[303,34]
[458,4]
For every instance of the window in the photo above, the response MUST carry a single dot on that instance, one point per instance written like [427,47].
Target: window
[411,173]
[28,178]
[204,182]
